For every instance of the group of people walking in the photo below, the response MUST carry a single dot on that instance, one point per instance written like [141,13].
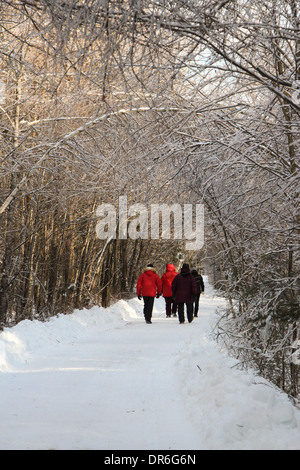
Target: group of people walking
[178,289]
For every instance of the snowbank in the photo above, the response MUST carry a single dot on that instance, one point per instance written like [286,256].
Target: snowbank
[103,379]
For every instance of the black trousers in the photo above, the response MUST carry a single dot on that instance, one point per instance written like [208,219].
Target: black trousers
[148,307]
[171,306]
[189,311]
[196,304]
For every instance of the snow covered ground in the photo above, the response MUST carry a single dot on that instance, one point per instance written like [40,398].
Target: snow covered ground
[103,379]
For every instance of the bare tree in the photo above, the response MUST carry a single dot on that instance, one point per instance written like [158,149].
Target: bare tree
[193,101]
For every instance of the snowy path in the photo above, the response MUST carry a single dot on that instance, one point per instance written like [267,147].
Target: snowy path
[103,379]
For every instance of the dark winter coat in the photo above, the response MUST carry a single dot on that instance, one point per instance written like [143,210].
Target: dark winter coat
[149,283]
[167,279]
[199,281]
[184,287]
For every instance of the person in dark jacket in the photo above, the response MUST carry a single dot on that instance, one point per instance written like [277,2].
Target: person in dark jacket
[148,286]
[167,279]
[200,288]
[184,288]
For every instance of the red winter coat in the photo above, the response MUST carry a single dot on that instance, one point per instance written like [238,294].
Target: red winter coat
[167,279]
[149,283]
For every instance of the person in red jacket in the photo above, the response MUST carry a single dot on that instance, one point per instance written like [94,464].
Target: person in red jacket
[148,286]
[167,279]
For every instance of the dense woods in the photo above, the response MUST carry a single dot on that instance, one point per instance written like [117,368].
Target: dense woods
[164,102]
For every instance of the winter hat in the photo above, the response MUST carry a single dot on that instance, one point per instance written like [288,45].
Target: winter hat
[185,266]
[150,265]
